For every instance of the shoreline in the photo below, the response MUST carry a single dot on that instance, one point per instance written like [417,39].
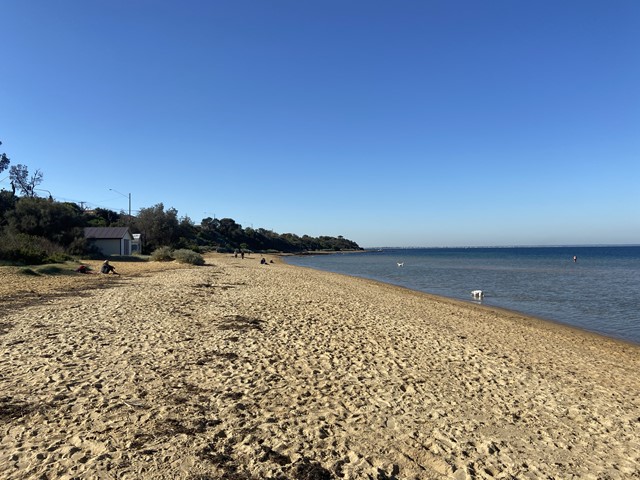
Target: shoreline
[504,310]
[540,322]
[572,329]
[264,371]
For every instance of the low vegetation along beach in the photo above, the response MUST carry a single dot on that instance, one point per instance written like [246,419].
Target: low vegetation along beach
[239,370]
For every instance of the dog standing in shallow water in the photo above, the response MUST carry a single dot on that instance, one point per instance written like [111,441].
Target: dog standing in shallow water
[479,294]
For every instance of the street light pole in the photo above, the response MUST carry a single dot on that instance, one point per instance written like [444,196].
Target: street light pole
[45,190]
[129,196]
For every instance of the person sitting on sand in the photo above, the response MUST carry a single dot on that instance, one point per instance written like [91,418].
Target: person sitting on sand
[82,269]
[106,268]
[263,261]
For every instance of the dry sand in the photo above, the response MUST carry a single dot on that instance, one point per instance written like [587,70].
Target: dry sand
[237,370]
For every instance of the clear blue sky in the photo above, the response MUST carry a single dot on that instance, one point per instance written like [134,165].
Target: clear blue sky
[392,123]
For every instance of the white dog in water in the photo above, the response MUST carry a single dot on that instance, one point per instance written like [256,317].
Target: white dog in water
[477,294]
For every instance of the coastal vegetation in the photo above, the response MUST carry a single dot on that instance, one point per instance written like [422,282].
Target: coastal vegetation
[36,230]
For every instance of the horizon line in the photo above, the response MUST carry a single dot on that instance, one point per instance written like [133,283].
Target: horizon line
[576,245]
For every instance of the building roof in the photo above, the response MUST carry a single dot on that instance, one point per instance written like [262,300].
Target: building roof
[106,232]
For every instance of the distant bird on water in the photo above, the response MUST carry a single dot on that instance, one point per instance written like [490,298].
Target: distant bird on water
[401,264]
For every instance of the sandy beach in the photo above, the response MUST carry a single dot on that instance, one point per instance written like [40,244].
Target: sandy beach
[236,370]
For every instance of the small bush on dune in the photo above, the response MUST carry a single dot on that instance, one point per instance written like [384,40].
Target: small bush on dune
[49,270]
[162,254]
[183,255]
[28,271]
[188,256]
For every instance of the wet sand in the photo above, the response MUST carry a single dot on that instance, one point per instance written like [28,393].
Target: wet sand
[245,371]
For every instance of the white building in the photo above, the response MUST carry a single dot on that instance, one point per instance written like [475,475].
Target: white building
[110,240]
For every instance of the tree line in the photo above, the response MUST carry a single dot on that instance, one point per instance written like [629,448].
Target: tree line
[39,230]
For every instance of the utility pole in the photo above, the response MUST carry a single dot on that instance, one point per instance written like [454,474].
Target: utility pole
[126,196]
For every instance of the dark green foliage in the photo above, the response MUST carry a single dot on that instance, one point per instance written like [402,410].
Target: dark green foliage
[188,256]
[56,221]
[7,204]
[28,271]
[101,217]
[34,230]
[26,184]
[29,249]
[162,254]
[49,270]
[79,247]
[157,226]
[4,162]
[182,255]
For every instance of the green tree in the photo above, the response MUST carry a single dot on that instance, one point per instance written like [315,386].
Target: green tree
[4,161]
[19,175]
[58,222]
[208,233]
[229,228]
[187,234]
[102,217]
[7,204]
[158,227]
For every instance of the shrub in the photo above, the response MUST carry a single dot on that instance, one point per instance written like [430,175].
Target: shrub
[29,249]
[80,246]
[59,257]
[162,254]
[28,271]
[188,256]
[49,270]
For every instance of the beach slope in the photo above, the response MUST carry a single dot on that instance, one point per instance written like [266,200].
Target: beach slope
[240,370]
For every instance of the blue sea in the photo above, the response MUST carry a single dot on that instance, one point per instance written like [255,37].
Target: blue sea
[599,292]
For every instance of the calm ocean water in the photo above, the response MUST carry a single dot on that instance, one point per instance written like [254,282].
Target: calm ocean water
[599,292]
